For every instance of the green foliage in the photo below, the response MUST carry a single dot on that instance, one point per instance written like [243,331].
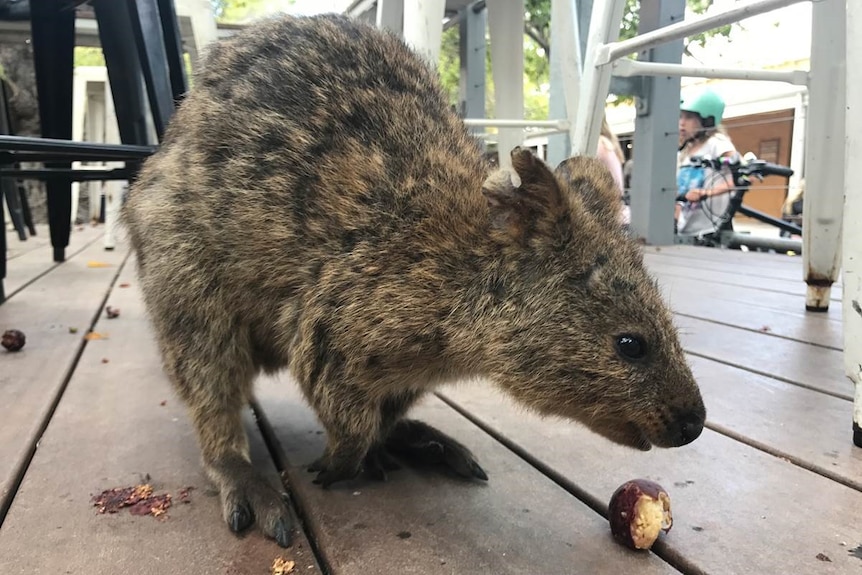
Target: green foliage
[85,56]
[537,40]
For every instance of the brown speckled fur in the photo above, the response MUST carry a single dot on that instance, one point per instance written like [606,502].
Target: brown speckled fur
[317,207]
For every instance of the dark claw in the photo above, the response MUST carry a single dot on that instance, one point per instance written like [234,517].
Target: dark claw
[374,466]
[478,472]
[282,533]
[241,519]
[330,476]
[463,463]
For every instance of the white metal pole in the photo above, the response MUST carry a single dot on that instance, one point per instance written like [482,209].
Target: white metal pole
[564,23]
[852,298]
[204,28]
[504,123]
[506,27]
[604,25]
[691,26]
[626,67]
[797,145]
[423,27]
[824,162]
[390,15]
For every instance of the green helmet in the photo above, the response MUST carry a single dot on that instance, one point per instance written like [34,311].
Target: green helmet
[707,104]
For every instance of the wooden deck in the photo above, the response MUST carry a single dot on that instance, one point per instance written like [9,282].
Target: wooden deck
[774,485]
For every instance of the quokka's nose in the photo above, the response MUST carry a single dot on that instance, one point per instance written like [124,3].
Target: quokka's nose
[686,427]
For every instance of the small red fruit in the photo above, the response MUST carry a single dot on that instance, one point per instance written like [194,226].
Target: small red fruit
[13,340]
[638,511]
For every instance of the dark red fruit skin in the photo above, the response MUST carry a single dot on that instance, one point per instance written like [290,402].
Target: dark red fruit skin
[13,340]
[621,508]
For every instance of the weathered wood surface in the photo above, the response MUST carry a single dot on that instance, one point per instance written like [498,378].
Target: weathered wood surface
[774,485]
[48,311]
[29,260]
[118,425]
[427,522]
[736,509]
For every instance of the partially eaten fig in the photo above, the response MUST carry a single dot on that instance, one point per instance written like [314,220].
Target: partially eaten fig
[13,339]
[638,511]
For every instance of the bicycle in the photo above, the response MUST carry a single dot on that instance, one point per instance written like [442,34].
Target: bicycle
[743,171]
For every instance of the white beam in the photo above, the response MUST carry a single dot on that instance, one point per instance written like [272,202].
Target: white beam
[626,67]
[852,298]
[604,25]
[797,141]
[824,164]
[689,27]
[423,27]
[566,41]
[506,28]
[390,15]
[203,23]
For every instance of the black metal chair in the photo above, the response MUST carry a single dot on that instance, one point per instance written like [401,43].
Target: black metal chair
[143,54]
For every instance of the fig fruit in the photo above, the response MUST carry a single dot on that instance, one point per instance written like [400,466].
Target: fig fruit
[638,511]
[13,340]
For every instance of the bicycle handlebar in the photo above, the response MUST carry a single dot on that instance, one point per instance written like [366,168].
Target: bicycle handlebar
[745,167]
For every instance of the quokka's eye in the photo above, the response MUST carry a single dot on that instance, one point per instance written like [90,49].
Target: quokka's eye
[631,347]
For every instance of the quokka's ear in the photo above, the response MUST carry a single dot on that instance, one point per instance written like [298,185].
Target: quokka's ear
[525,198]
[592,181]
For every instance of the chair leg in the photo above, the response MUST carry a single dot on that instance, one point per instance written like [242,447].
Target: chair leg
[25,209]
[2,254]
[13,200]
[53,36]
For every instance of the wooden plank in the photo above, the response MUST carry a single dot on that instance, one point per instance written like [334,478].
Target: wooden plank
[704,291]
[805,328]
[520,522]
[756,259]
[801,424]
[15,247]
[31,379]
[30,264]
[736,509]
[792,361]
[659,267]
[110,430]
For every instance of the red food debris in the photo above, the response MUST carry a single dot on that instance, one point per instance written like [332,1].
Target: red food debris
[13,339]
[163,402]
[139,499]
[112,500]
[105,360]
[125,285]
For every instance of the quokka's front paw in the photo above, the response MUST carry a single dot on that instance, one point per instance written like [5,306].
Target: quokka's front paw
[247,498]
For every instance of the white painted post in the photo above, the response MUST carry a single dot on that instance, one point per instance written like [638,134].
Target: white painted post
[204,28]
[604,28]
[852,298]
[506,28]
[566,52]
[824,165]
[797,145]
[98,118]
[423,27]
[79,106]
[390,15]
[113,189]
